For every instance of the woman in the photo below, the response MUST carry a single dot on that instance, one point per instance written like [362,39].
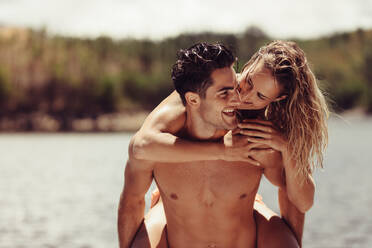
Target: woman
[277,79]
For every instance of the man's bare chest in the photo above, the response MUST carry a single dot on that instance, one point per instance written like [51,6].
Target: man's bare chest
[212,179]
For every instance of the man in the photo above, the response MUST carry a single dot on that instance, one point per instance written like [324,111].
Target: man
[207,203]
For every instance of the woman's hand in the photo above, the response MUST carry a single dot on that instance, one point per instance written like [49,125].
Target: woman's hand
[238,148]
[263,132]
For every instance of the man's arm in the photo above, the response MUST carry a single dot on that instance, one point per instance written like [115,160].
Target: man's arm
[138,178]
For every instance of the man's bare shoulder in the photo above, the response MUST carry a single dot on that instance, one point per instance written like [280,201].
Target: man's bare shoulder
[168,116]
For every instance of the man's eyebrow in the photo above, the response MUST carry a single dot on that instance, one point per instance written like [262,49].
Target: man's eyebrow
[225,88]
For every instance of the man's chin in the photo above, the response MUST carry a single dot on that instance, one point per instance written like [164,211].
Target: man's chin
[231,122]
[231,126]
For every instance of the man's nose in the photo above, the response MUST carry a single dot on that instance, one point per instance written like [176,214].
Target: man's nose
[234,99]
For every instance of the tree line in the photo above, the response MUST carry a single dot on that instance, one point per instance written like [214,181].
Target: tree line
[68,78]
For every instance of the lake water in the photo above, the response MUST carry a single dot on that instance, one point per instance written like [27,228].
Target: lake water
[62,190]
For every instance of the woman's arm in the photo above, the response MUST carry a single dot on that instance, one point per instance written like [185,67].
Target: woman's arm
[300,191]
[294,218]
[289,212]
[157,140]
[166,147]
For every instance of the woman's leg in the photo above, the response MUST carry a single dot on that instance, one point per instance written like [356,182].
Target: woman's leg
[272,231]
[152,232]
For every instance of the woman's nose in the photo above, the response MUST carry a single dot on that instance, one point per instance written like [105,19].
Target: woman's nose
[245,94]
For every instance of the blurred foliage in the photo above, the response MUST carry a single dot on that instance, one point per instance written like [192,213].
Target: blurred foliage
[77,78]
[343,63]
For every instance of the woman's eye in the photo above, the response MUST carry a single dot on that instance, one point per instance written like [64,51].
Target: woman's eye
[261,96]
[238,88]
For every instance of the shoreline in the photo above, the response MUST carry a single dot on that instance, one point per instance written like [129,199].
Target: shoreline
[111,123]
[43,123]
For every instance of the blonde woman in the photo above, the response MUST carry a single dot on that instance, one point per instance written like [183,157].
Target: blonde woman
[292,123]
[299,115]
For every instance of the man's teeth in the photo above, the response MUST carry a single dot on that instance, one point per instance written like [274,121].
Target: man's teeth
[229,111]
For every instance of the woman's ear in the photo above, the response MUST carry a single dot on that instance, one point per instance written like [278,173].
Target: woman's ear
[279,98]
[192,99]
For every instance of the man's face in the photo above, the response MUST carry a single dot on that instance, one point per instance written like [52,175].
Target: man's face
[257,87]
[218,106]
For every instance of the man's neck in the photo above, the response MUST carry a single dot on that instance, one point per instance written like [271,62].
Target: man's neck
[198,129]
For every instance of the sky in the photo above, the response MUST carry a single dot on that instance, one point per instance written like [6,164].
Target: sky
[166,18]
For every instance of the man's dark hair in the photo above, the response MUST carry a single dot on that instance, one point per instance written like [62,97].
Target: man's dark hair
[194,66]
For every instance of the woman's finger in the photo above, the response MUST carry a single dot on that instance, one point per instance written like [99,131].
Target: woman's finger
[252,161]
[235,131]
[253,145]
[267,123]
[256,126]
[255,133]
[264,151]
[260,141]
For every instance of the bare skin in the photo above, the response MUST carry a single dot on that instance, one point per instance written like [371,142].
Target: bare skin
[217,197]
[256,89]
[272,231]
[207,203]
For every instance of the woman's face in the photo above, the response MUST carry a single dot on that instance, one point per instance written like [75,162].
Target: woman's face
[257,88]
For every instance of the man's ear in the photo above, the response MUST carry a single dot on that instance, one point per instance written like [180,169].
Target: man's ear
[282,97]
[192,99]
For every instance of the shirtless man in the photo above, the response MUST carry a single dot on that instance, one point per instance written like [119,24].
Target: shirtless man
[206,203]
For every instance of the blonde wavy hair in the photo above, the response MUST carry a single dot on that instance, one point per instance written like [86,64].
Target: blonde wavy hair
[302,116]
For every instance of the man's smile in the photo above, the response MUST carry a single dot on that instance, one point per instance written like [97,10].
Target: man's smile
[229,112]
